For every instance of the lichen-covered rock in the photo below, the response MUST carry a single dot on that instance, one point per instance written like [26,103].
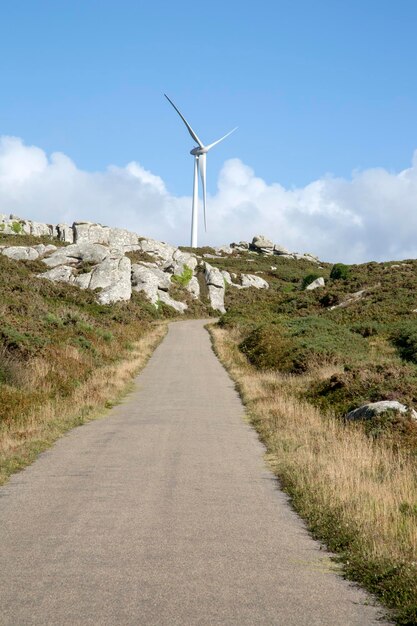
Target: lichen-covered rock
[120,287]
[117,238]
[250,280]
[149,280]
[370,410]
[20,253]
[74,253]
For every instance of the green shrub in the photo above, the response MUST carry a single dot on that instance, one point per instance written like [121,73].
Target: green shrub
[184,278]
[404,338]
[339,272]
[267,347]
[16,228]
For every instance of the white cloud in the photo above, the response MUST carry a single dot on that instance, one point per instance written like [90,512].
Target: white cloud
[371,216]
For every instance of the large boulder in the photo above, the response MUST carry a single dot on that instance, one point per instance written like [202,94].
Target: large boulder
[216,287]
[261,244]
[74,253]
[372,409]
[119,287]
[20,253]
[116,238]
[60,274]
[216,297]
[319,282]
[250,280]
[213,276]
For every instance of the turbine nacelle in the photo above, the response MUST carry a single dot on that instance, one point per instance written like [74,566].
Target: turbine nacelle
[198,151]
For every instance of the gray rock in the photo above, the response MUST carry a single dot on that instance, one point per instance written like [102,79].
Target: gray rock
[319,282]
[224,250]
[175,304]
[311,258]
[42,249]
[227,277]
[149,280]
[20,253]
[213,276]
[37,229]
[62,273]
[157,249]
[83,280]
[194,287]
[250,280]
[260,242]
[280,250]
[116,238]
[65,233]
[72,254]
[216,296]
[120,287]
[350,299]
[370,410]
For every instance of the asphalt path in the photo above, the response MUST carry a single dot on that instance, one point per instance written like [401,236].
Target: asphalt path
[164,513]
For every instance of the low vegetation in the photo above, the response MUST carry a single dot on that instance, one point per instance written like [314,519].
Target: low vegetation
[302,360]
[357,492]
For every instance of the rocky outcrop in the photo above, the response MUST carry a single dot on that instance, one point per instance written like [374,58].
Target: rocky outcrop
[261,244]
[76,252]
[372,409]
[94,257]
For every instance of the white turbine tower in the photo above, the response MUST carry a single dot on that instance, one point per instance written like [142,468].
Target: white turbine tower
[199,154]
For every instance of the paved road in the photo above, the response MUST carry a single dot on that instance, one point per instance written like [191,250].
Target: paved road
[163,513]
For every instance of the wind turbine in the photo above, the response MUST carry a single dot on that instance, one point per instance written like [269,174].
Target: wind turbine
[199,154]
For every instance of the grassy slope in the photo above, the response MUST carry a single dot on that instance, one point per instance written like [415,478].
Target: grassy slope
[300,367]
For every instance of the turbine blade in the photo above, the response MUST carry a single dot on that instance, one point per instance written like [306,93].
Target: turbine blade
[202,165]
[190,130]
[219,140]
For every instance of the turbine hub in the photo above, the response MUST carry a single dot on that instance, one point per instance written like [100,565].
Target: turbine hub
[198,151]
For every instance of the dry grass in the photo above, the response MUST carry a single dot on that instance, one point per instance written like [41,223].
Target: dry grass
[21,440]
[357,494]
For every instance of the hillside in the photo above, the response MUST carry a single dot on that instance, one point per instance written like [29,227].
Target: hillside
[308,343]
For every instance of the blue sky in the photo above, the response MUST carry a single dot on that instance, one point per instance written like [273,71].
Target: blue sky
[316,88]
